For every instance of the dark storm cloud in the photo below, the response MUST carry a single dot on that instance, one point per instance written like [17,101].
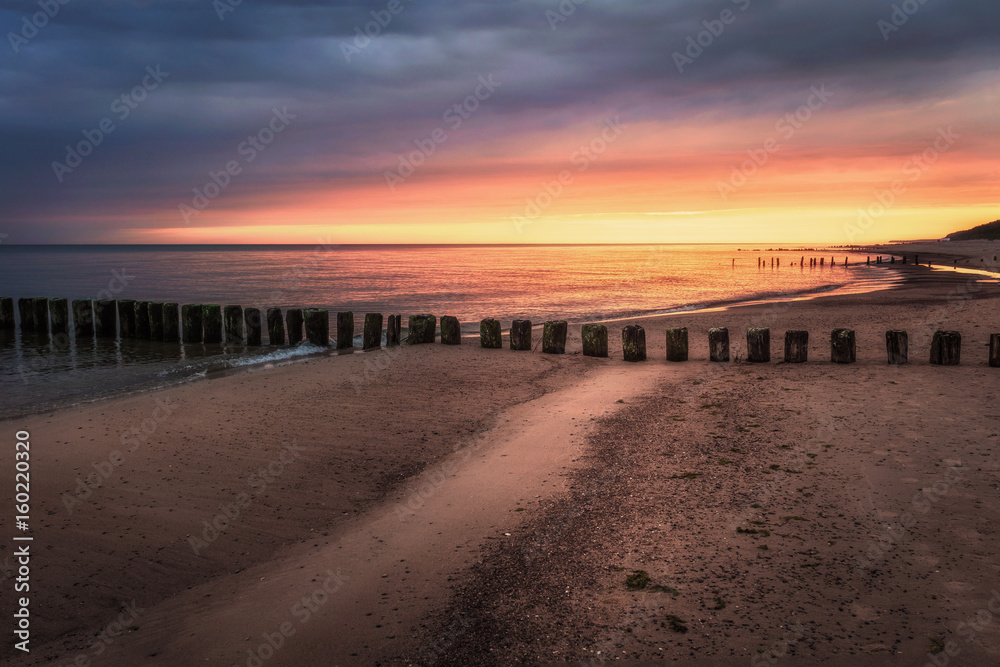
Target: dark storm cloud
[557,63]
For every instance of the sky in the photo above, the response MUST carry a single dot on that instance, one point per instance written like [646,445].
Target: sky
[536,121]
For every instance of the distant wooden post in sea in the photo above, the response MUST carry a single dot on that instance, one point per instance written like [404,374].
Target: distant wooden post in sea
[155,320]
[371,339]
[317,321]
[897,347]
[104,318]
[520,335]
[595,340]
[59,316]
[191,321]
[946,348]
[758,345]
[275,327]
[7,313]
[490,334]
[27,313]
[345,330]
[294,321]
[843,346]
[554,337]
[171,330]
[83,318]
[451,330]
[393,331]
[677,344]
[233,319]
[252,320]
[796,347]
[634,343]
[718,344]
[141,320]
[126,318]
[211,320]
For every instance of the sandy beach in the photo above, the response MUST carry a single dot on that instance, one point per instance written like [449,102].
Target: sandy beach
[461,506]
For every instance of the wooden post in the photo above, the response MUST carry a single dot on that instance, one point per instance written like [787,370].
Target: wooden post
[451,330]
[420,329]
[126,318]
[394,330]
[6,313]
[59,316]
[232,319]
[490,335]
[293,324]
[554,337]
[317,321]
[104,318]
[27,313]
[843,346]
[345,331]
[994,350]
[252,320]
[821,260]
[141,320]
[634,343]
[758,345]
[211,320]
[171,323]
[191,319]
[677,344]
[718,344]
[155,320]
[372,338]
[275,327]
[946,348]
[595,340]
[796,347]
[520,335]
[83,318]
[897,347]
[40,305]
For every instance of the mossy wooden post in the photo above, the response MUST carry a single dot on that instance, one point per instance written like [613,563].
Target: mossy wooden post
[141,319]
[104,318]
[59,316]
[372,339]
[451,330]
[275,327]
[796,347]
[83,318]
[155,320]
[897,347]
[126,318]
[995,350]
[843,346]
[394,330]
[946,348]
[554,337]
[677,344]
[293,324]
[718,344]
[520,335]
[232,317]
[251,318]
[758,345]
[171,323]
[191,319]
[595,340]
[345,331]
[211,321]
[634,343]
[40,305]
[490,335]
[6,313]
[420,329]
[27,312]
[317,321]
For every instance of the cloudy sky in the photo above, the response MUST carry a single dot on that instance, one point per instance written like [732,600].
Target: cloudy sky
[401,121]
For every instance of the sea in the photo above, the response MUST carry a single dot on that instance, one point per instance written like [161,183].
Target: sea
[577,283]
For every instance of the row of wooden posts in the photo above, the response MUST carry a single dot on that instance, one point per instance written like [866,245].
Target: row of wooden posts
[209,323]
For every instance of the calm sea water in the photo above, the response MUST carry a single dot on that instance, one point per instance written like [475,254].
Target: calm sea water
[576,283]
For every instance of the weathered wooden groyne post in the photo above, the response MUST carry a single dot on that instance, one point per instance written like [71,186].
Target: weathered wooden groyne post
[141,319]
[83,318]
[718,344]
[232,319]
[995,350]
[946,348]
[252,320]
[451,330]
[211,320]
[171,322]
[796,347]
[345,330]
[420,329]
[843,346]
[490,336]
[294,321]
[40,306]
[520,335]
[7,313]
[595,340]
[758,345]
[897,347]
[554,337]
[317,322]
[371,339]
[394,331]
[59,316]
[104,318]
[155,320]
[126,318]
[634,343]
[191,321]
[275,327]
[677,344]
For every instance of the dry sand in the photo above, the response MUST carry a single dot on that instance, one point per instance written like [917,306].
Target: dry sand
[468,506]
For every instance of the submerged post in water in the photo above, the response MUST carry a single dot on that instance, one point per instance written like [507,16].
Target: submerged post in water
[251,318]
[317,321]
[345,331]
[294,321]
[275,327]
[171,328]
[191,314]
